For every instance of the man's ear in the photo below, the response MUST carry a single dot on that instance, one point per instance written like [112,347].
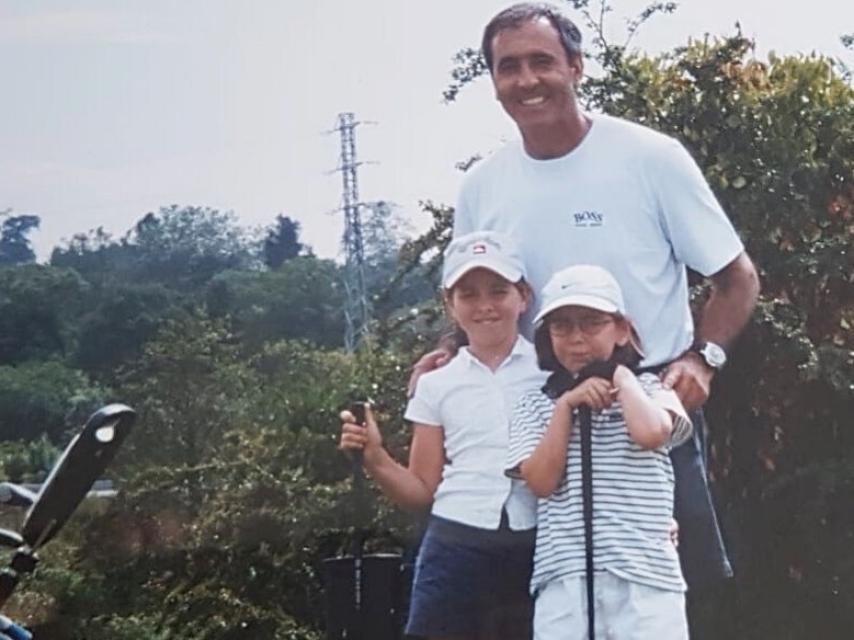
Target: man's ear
[576,63]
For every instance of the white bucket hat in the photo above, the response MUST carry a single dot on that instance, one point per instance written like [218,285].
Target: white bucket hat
[585,285]
[491,250]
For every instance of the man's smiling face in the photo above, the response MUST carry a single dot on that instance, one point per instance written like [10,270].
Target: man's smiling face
[533,77]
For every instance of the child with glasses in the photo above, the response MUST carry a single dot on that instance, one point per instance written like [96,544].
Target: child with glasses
[639,588]
[474,565]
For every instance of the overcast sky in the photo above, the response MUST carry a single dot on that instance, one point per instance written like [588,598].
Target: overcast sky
[110,109]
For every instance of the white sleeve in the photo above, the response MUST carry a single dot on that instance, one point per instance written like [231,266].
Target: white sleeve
[423,406]
[463,213]
[699,231]
[669,401]
[527,426]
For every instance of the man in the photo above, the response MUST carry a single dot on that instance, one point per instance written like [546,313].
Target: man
[587,188]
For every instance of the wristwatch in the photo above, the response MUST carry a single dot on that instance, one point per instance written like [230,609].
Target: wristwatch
[712,354]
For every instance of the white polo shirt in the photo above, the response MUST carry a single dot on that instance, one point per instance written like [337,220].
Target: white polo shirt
[473,404]
[628,199]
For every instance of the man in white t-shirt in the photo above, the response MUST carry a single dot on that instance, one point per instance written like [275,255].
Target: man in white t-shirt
[587,188]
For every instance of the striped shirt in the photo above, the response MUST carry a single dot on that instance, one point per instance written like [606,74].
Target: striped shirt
[632,496]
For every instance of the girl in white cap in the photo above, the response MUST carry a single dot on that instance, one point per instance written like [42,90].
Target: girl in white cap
[639,588]
[474,565]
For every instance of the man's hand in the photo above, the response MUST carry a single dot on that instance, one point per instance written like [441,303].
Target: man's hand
[427,362]
[690,378]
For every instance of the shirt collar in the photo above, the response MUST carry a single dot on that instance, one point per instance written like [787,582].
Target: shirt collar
[520,349]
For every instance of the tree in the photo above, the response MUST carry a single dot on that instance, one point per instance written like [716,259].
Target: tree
[47,398]
[184,247]
[14,244]
[189,388]
[113,333]
[282,242]
[37,307]
[96,257]
[301,299]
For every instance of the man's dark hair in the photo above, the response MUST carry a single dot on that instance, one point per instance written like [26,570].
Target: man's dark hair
[517,15]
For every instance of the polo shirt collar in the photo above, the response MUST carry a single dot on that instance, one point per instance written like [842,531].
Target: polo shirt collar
[520,348]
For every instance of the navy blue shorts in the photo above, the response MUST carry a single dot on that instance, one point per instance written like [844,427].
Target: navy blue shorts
[474,582]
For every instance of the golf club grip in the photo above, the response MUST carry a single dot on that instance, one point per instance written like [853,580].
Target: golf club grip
[358,411]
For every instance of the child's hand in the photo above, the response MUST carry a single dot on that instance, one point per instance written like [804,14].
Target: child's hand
[596,393]
[356,437]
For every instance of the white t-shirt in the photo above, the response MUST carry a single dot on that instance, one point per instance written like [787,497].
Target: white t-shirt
[632,495]
[472,404]
[628,199]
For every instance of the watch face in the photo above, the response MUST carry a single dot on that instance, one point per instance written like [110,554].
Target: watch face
[714,355]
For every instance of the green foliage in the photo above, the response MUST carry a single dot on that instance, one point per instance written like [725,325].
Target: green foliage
[96,257]
[44,397]
[14,244]
[36,303]
[125,318]
[282,242]
[189,388]
[27,461]
[225,540]
[186,246]
[303,298]
[179,247]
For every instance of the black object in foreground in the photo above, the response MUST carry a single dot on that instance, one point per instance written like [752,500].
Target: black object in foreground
[83,461]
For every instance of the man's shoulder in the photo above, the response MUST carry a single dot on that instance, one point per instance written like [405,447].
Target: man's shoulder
[494,162]
[629,131]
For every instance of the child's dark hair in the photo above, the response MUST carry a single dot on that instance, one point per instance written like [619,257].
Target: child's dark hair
[629,354]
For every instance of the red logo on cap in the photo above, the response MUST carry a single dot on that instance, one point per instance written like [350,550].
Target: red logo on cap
[478,248]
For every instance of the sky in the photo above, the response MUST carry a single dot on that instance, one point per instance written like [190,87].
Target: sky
[109,110]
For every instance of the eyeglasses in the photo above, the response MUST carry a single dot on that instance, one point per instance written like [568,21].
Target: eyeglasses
[589,326]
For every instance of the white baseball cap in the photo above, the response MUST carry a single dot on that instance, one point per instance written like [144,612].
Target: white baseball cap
[491,250]
[585,285]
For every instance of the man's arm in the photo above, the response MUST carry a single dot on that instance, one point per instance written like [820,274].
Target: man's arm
[735,290]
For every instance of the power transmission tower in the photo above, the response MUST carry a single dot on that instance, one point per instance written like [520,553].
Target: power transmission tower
[356,311]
